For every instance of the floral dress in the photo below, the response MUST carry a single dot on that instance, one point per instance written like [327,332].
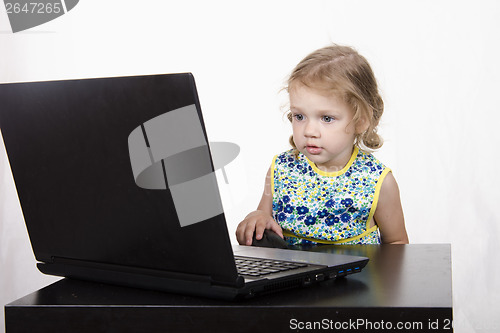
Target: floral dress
[313,206]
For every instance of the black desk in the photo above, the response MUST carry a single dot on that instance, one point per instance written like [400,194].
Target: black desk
[407,285]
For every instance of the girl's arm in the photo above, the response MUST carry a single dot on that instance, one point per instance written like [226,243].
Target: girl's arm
[389,213]
[259,220]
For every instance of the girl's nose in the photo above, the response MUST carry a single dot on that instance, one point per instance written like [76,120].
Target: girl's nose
[311,130]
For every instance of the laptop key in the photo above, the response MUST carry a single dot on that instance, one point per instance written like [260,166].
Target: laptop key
[258,267]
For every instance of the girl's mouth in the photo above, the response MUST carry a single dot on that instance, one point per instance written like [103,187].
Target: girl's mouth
[313,150]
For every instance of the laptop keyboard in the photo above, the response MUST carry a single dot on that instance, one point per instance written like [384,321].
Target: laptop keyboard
[259,266]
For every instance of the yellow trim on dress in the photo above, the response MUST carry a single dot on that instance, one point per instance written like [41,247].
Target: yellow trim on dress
[272,174]
[376,196]
[335,173]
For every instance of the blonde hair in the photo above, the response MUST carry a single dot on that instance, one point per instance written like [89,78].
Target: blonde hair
[343,71]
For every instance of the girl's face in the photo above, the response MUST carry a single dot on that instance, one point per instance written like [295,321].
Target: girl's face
[323,129]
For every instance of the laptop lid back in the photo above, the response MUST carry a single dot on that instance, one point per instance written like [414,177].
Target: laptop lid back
[117,171]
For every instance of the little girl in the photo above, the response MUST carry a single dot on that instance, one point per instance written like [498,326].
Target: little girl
[329,189]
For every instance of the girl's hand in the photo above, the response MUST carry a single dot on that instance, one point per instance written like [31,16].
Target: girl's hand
[256,222]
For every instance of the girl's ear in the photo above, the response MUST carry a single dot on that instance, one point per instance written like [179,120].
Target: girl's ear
[362,125]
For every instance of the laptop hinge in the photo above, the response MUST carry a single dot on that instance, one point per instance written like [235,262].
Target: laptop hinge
[61,262]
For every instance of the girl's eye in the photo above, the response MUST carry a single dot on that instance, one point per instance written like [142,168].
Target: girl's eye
[328,119]
[298,117]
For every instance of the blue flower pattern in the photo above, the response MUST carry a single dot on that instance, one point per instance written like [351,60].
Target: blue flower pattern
[325,206]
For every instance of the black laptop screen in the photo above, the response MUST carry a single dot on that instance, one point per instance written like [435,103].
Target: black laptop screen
[116,170]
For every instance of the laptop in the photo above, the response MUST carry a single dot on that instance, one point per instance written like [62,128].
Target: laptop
[117,185]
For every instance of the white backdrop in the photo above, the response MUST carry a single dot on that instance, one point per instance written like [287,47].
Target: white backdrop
[438,69]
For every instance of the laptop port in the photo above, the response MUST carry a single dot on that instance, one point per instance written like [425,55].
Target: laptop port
[320,277]
[307,281]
